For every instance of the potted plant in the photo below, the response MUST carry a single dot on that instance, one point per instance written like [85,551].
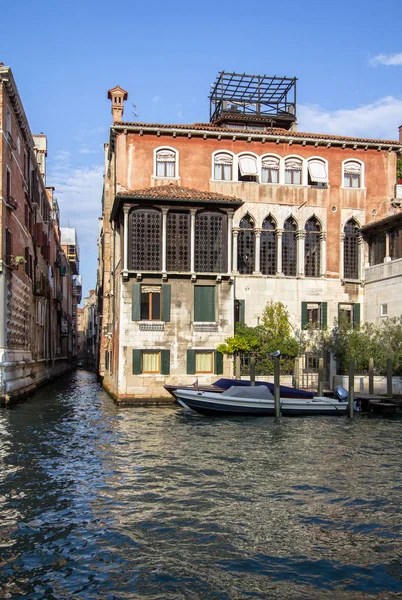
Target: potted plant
[16,261]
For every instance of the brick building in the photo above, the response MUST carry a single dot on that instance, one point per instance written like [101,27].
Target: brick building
[203,224]
[35,276]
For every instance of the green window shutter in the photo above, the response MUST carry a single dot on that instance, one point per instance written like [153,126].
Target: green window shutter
[136,302]
[165,362]
[165,301]
[324,313]
[242,310]
[218,361]
[190,362]
[137,362]
[304,315]
[204,303]
[107,360]
[356,316]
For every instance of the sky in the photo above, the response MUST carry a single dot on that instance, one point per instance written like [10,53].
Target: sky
[347,56]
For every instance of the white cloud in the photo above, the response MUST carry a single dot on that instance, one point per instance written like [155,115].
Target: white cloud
[380,119]
[390,60]
[156,99]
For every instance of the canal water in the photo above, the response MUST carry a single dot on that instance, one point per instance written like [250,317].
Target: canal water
[100,502]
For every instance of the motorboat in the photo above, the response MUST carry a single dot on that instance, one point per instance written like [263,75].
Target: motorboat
[256,400]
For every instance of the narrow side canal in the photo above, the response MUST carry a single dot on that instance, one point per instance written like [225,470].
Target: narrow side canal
[98,502]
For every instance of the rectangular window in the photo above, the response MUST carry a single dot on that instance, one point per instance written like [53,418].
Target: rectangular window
[8,184]
[204,361]
[9,246]
[314,315]
[293,176]
[151,361]
[269,175]
[204,303]
[150,303]
[345,315]
[384,310]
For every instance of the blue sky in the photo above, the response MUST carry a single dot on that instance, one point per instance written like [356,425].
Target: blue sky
[347,56]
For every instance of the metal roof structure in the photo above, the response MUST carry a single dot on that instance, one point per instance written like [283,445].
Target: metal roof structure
[237,96]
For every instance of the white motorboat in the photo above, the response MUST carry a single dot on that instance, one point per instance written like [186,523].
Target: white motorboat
[256,400]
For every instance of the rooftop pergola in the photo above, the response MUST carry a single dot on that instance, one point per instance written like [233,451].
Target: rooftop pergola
[253,96]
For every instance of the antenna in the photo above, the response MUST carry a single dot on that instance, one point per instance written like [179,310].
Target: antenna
[135,114]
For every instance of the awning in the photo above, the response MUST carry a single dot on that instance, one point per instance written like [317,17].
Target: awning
[318,171]
[248,165]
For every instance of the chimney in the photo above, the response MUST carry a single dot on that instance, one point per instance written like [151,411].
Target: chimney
[400,134]
[117,95]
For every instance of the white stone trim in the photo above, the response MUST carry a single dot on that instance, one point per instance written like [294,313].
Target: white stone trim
[362,175]
[177,172]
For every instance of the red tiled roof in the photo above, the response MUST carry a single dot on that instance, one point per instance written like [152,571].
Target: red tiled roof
[174,192]
[395,218]
[274,131]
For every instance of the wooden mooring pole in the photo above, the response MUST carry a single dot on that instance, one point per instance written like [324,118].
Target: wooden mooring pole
[320,390]
[237,367]
[351,395]
[277,391]
[389,377]
[371,376]
[252,370]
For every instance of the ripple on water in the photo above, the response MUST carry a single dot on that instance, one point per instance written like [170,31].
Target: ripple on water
[101,502]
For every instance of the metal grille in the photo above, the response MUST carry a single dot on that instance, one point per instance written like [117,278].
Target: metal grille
[210,242]
[289,248]
[145,240]
[312,248]
[377,249]
[178,241]
[351,250]
[245,246]
[395,243]
[268,247]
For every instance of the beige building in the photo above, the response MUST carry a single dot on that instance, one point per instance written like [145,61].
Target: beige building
[203,224]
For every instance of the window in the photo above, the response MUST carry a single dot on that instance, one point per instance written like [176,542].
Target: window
[150,362]
[9,246]
[270,169]
[312,248]
[349,315]
[178,241]
[8,184]
[239,311]
[395,244]
[293,171]
[223,166]
[8,120]
[384,310]
[317,173]
[268,247]
[314,315]
[245,246]
[204,303]
[377,249]
[289,248]
[150,302]
[351,250]
[352,174]
[247,168]
[204,361]
[210,242]
[165,163]
[145,240]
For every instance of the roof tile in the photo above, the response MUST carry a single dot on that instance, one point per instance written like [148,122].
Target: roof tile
[174,192]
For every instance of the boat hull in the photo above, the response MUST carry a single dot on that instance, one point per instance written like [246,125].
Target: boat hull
[216,404]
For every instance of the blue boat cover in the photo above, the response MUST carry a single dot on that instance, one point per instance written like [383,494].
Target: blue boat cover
[285,391]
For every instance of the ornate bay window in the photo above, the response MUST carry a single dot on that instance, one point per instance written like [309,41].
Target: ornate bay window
[145,227]
[268,247]
[312,247]
[245,246]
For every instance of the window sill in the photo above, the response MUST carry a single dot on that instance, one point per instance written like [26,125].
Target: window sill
[205,326]
[352,189]
[158,178]
[151,325]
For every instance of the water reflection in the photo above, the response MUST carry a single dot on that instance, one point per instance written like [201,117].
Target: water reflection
[100,502]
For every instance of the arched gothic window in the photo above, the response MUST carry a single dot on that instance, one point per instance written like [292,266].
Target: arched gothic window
[270,169]
[351,250]
[178,241]
[245,246]
[165,163]
[210,242]
[223,166]
[145,240]
[312,248]
[268,247]
[293,171]
[352,174]
[289,248]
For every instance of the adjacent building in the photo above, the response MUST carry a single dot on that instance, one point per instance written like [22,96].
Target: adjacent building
[35,275]
[203,224]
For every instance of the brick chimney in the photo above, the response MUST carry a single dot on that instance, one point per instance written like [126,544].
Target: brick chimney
[117,95]
[400,134]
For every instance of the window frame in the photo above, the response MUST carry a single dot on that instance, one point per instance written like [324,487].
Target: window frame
[158,353]
[211,353]
[316,184]
[243,178]
[361,185]
[176,163]
[279,159]
[302,170]
[150,302]
[233,165]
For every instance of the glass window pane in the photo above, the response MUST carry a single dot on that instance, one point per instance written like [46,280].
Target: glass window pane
[145,307]
[355,180]
[160,169]
[150,362]
[218,172]
[297,177]
[288,176]
[274,176]
[227,172]
[264,175]
[346,180]
[156,307]
[169,169]
[203,362]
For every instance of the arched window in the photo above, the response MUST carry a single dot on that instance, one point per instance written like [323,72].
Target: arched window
[289,248]
[293,171]
[351,250]
[248,170]
[223,166]
[245,246]
[352,174]
[145,240]
[270,169]
[268,247]
[312,248]
[165,163]
[317,172]
[178,241]
[210,242]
